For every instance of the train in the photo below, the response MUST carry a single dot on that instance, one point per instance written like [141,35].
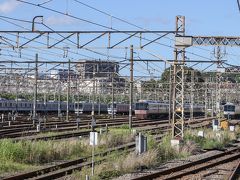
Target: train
[145,109]
[231,110]
[25,106]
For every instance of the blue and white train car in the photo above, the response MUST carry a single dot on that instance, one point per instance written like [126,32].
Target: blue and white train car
[231,110]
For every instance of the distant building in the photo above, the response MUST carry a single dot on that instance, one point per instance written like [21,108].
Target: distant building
[86,69]
[233,69]
[62,74]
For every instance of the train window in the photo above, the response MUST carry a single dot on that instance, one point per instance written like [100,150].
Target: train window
[141,106]
[229,108]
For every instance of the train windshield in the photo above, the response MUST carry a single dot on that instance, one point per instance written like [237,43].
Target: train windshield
[141,106]
[229,108]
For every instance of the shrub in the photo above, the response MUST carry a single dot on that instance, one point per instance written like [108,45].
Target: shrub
[109,174]
[38,152]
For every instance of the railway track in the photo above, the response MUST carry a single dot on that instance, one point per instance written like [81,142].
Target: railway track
[71,166]
[61,126]
[235,173]
[161,125]
[74,132]
[67,168]
[193,169]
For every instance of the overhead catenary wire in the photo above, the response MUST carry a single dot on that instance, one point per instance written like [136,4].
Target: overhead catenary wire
[110,28]
[134,25]
[94,23]
[67,44]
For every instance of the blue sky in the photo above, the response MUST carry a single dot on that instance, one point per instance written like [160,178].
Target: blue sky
[205,17]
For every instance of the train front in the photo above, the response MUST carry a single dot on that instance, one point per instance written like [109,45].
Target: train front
[141,110]
[229,110]
[112,108]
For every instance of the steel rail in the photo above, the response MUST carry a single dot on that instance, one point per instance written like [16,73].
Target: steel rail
[236,173]
[183,170]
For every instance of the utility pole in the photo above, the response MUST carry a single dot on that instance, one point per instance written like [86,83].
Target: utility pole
[17,89]
[192,94]
[68,91]
[178,83]
[219,56]
[112,96]
[170,95]
[93,91]
[59,97]
[131,87]
[206,99]
[35,89]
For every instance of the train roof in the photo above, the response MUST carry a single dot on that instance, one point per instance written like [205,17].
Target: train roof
[149,101]
[228,103]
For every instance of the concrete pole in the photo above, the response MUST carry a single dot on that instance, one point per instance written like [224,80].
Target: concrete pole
[131,87]
[68,91]
[170,95]
[59,97]
[192,94]
[35,88]
[93,95]
[112,96]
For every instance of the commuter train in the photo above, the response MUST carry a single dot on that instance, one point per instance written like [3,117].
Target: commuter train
[231,110]
[24,106]
[154,109]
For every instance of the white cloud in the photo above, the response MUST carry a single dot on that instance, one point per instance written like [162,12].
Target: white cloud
[57,20]
[8,6]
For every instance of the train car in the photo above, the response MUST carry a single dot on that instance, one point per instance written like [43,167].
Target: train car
[150,109]
[13,105]
[24,106]
[231,110]
[119,108]
[86,108]
[198,109]
[156,109]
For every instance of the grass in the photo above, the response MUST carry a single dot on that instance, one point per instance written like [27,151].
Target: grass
[119,163]
[22,155]
[10,166]
[158,153]
[25,154]
[39,152]
[212,139]
[237,128]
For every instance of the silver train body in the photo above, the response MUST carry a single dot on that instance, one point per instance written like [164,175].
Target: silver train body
[231,110]
[27,106]
[24,106]
[153,109]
